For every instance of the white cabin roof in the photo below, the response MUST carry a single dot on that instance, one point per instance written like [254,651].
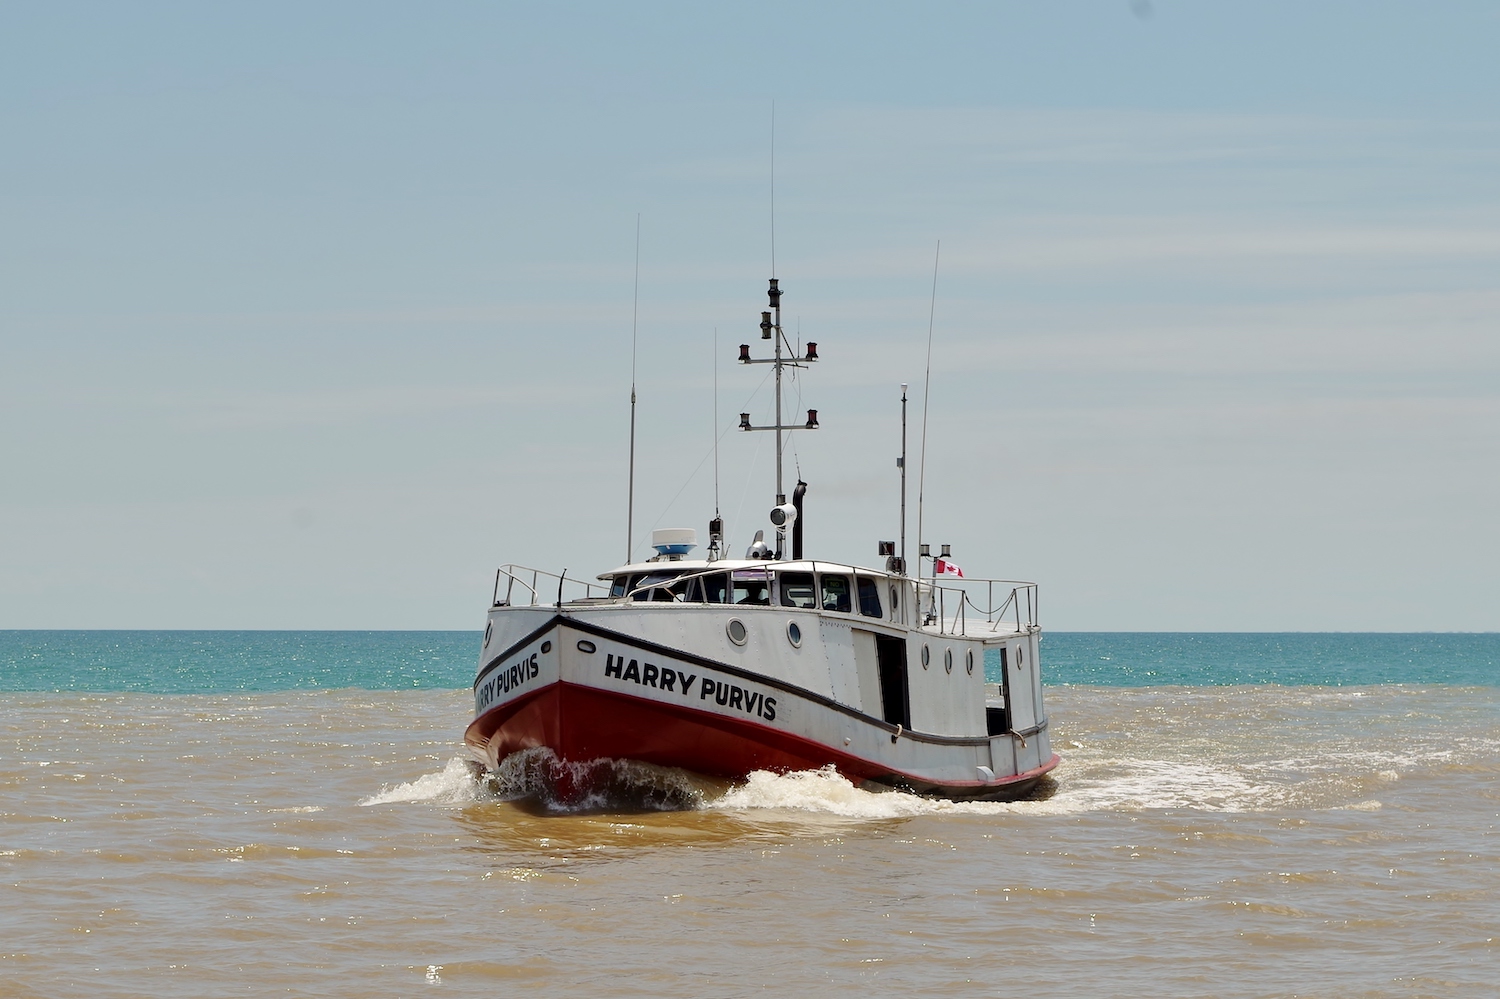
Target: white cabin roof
[728,564]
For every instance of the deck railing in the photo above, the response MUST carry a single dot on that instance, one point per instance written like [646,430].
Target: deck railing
[528,587]
[1019,603]
[945,604]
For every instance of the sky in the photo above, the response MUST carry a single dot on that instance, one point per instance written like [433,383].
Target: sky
[313,315]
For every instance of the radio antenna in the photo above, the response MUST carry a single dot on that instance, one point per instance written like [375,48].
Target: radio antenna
[716,422]
[773,188]
[635,309]
[926,393]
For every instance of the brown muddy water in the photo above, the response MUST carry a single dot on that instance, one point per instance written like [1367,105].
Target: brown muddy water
[1223,841]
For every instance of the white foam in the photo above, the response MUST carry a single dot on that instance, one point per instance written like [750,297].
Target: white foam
[454,785]
[827,792]
[823,791]
[1135,784]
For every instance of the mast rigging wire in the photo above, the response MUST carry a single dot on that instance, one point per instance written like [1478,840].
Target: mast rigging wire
[635,309]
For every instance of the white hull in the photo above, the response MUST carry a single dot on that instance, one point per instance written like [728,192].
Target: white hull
[667,685]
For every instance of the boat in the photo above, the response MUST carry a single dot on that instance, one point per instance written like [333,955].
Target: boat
[723,666]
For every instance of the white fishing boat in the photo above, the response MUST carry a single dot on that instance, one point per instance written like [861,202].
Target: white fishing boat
[775,661]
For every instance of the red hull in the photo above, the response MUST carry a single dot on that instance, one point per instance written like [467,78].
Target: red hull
[583,723]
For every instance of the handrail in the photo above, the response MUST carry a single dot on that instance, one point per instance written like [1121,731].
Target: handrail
[937,596]
[513,575]
[530,583]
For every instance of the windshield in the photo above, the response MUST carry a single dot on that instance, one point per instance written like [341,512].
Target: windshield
[637,581]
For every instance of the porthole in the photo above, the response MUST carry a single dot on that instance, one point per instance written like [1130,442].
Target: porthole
[969,657]
[489,629]
[926,657]
[584,645]
[893,601]
[794,634]
[948,660]
[736,631]
[546,647]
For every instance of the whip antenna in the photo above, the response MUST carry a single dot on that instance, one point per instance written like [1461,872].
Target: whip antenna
[716,421]
[635,309]
[926,393]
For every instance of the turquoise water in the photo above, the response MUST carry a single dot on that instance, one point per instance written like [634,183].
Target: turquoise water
[1197,659]
[210,662]
[203,662]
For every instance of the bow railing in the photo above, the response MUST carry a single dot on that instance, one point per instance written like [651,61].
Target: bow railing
[528,587]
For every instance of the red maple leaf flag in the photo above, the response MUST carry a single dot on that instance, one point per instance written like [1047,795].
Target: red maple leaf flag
[942,567]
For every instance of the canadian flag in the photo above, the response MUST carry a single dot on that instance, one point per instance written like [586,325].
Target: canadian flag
[942,567]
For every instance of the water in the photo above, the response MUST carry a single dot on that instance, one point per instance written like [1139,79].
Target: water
[191,815]
[190,662]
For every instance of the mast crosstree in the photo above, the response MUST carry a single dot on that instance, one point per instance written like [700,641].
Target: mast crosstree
[770,329]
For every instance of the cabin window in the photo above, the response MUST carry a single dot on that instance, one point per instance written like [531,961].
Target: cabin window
[869,597]
[797,590]
[716,588]
[836,593]
[650,579]
[751,586]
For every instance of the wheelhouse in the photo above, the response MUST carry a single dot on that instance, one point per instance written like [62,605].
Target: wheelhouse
[837,589]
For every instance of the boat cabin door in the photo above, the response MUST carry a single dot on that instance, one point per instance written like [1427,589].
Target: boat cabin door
[895,695]
[1020,701]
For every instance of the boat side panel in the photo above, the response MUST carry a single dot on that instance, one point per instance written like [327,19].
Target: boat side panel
[701,630]
[946,701]
[867,663]
[618,665]
[584,723]
[836,636]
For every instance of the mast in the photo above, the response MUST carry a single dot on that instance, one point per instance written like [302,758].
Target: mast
[902,463]
[775,294]
[770,329]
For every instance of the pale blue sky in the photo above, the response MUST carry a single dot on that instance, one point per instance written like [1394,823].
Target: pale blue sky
[309,318]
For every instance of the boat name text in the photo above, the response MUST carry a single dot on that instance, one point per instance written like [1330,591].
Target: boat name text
[667,678]
[507,680]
